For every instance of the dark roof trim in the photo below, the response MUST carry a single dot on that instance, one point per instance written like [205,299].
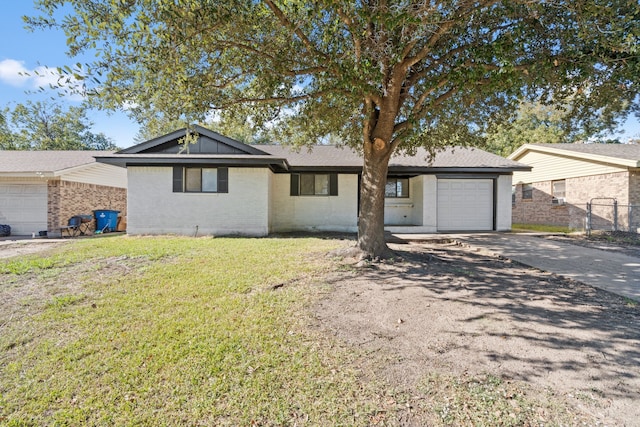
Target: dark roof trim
[435,170]
[124,161]
[139,148]
[401,170]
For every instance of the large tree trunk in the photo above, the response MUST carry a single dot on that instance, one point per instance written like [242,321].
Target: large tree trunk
[371,240]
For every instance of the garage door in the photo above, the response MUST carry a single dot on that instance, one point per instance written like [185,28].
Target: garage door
[24,207]
[465,204]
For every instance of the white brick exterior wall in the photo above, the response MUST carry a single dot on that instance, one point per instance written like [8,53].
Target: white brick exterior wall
[259,202]
[430,209]
[153,207]
[503,204]
[314,213]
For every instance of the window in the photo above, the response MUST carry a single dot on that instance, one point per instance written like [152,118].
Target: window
[397,187]
[559,189]
[527,191]
[200,180]
[513,195]
[314,184]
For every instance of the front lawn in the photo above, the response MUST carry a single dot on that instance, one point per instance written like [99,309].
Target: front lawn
[121,330]
[171,331]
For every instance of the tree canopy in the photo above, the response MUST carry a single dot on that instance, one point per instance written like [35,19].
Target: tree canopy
[536,123]
[48,126]
[380,75]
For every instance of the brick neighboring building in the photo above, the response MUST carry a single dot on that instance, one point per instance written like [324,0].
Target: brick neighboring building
[41,190]
[565,177]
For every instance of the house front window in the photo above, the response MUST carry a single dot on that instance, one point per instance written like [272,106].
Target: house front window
[527,191]
[314,184]
[396,188]
[200,180]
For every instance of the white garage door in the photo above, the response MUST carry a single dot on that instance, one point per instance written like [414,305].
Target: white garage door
[465,204]
[24,207]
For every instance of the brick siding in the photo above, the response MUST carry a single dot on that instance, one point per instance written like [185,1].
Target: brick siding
[579,191]
[66,199]
[634,187]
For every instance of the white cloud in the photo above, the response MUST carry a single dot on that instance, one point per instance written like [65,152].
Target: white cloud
[44,77]
[14,72]
[129,105]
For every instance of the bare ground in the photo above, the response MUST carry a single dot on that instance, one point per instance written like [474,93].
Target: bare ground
[11,248]
[444,309]
[451,310]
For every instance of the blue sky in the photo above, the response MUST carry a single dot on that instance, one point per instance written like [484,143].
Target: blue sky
[24,51]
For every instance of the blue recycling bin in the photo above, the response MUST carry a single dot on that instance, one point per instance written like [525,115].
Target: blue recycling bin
[106,220]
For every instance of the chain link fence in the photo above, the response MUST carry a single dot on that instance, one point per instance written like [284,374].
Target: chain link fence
[605,214]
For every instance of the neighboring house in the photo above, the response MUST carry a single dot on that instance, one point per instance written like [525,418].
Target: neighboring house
[565,177]
[223,187]
[41,190]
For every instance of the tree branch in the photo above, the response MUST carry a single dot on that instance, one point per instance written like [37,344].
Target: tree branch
[442,30]
[294,28]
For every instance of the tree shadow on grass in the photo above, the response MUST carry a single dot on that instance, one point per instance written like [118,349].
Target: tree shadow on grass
[462,311]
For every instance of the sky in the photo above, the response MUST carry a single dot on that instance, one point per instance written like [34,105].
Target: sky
[22,51]
[25,51]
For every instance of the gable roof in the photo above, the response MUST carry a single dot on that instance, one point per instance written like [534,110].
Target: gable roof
[206,139]
[627,155]
[45,163]
[215,149]
[450,159]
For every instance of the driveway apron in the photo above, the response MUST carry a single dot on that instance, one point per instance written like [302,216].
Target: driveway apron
[604,269]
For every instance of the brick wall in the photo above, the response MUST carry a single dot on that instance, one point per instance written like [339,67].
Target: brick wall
[634,187]
[579,191]
[66,199]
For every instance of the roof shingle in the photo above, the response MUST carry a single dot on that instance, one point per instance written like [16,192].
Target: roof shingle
[45,161]
[621,151]
[329,155]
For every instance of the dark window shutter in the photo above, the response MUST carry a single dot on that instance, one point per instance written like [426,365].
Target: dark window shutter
[295,184]
[177,179]
[333,184]
[223,180]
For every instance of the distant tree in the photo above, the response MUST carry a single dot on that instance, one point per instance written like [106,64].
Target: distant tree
[534,123]
[6,136]
[537,123]
[382,75]
[232,126]
[240,128]
[153,127]
[45,125]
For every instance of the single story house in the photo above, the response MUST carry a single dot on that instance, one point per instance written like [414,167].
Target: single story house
[565,177]
[41,190]
[224,187]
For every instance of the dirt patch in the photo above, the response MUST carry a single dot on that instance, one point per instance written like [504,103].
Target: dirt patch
[450,310]
[10,249]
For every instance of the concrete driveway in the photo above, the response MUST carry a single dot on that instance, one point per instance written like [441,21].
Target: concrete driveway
[608,270]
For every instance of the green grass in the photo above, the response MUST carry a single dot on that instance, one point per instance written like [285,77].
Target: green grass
[491,401]
[542,228]
[183,331]
[190,333]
